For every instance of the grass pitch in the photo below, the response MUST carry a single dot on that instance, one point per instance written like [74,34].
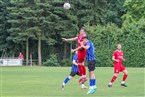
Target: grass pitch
[45,82]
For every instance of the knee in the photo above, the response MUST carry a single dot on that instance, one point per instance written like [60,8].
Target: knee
[116,74]
[125,72]
[70,77]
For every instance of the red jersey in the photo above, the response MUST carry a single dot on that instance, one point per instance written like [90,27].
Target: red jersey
[80,39]
[81,52]
[118,54]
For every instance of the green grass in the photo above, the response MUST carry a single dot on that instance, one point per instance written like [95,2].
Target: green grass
[45,82]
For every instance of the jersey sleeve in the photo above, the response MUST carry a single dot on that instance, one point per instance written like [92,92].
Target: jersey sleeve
[114,53]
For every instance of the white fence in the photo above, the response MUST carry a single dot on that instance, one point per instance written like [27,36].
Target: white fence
[11,62]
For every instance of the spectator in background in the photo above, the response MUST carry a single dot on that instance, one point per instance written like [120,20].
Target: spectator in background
[21,56]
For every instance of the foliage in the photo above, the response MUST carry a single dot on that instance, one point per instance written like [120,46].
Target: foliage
[42,23]
[66,62]
[52,61]
[105,39]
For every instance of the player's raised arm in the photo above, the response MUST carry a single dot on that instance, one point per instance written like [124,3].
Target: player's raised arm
[70,39]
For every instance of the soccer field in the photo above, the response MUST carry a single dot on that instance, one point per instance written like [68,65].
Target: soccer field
[45,82]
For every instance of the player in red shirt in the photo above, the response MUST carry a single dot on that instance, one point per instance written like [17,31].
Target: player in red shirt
[117,57]
[81,55]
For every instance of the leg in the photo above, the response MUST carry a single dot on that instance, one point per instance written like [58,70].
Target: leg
[91,67]
[113,79]
[80,69]
[81,66]
[82,73]
[93,87]
[124,78]
[66,81]
[72,74]
[83,69]
[116,72]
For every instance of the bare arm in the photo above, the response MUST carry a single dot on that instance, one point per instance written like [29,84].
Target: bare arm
[86,47]
[74,62]
[70,39]
[76,49]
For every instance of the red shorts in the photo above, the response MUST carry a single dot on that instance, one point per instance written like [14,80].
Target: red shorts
[81,56]
[118,68]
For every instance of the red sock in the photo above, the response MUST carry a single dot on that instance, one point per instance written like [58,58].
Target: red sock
[113,79]
[84,70]
[124,77]
[80,70]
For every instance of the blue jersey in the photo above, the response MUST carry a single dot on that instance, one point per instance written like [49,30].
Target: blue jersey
[75,67]
[90,52]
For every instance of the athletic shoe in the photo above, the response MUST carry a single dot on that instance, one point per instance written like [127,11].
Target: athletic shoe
[124,85]
[94,89]
[84,87]
[91,90]
[109,86]
[62,87]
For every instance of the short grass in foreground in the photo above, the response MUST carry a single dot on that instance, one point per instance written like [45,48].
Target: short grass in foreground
[45,82]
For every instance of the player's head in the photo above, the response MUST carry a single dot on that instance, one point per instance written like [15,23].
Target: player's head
[85,39]
[83,30]
[119,46]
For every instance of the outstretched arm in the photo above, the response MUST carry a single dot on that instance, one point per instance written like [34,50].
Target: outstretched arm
[70,39]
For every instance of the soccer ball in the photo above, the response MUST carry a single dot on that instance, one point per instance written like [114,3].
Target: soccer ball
[66,6]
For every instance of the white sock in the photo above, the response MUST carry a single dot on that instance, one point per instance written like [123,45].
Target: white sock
[83,85]
[63,84]
[84,76]
[91,86]
[122,82]
[110,83]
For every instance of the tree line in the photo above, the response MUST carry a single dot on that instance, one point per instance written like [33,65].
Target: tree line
[37,26]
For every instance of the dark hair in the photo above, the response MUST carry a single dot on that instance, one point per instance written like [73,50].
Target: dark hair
[85,37]
[83,28]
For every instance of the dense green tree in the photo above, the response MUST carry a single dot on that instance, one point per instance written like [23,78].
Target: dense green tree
[114,11]
[37,26]
[19,18]
[135,11]
[3,26]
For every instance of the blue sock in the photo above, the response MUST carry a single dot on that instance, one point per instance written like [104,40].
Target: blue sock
[66,80]
[92,82]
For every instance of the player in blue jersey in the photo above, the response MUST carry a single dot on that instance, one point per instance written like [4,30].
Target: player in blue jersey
[88,45]
[74,71]
[90,57]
